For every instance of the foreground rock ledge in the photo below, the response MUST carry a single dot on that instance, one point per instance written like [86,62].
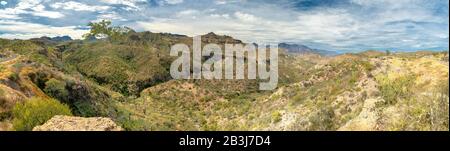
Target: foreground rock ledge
[70,123]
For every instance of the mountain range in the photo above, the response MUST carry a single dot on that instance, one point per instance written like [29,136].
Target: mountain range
[302,49]
[127,79]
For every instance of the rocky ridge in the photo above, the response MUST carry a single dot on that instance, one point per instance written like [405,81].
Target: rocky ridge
[68,123]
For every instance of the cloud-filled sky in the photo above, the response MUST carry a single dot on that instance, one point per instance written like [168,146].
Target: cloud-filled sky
[344,25]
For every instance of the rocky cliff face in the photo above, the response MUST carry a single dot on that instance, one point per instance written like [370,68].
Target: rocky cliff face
[68,123]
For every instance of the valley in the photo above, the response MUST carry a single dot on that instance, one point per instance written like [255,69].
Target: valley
[126,79]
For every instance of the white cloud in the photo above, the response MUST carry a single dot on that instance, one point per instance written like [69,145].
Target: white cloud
[3,2]
[27,29]
[31,7]
[25,36]
[173,2]
[223,2]
[77,6]
[324,25]
[39,10]
[190,13]
[224,16]
[191,27]
[245,17]
[326,28]
[360,25]
[48,14]
[27,4]
[187,12]
[387,3]
[132,4]
[110,16]
[9,13]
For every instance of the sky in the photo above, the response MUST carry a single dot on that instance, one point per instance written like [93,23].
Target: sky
[338,25]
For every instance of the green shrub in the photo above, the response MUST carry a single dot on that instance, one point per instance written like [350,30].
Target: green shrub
[56,89]
[36,111]
[14,77]
[276,117]
[131,124]
[395,89]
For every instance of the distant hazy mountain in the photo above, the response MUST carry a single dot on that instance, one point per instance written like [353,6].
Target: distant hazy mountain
[302,49]
[52,40]
[61,38]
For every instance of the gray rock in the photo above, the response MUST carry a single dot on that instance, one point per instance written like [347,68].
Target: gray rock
[69,123]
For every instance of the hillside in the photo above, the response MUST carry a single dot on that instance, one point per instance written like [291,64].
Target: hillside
[128,80]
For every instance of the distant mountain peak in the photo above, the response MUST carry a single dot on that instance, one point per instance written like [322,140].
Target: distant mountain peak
[302,49]
[211,34]
[61,38]
[212,37]
[51,40]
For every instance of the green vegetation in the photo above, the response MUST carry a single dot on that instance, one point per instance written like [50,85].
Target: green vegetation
[56,89]
[104,29]
[122,68]
[124,75]
[416,114]
[14,76]
[396,88]
[440,108]
[276,117]
[36,111]
[322,120]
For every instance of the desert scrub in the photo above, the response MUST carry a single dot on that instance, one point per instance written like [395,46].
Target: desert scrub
[129,123]
[397,88]
[439,108]
[36,111]
[322,119]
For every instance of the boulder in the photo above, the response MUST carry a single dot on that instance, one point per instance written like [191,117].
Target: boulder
[70,123]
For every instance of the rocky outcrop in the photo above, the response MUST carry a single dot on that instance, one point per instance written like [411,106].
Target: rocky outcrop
[69,123]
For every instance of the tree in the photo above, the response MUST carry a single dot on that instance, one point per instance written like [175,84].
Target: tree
[104,29]
[99,29]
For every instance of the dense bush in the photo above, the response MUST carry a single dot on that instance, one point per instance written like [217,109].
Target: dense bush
[56,89]
[36,111]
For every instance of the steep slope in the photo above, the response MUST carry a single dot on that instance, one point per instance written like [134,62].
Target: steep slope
[399,92]
[33,69]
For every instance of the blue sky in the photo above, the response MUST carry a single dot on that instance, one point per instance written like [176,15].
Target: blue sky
[345,25]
